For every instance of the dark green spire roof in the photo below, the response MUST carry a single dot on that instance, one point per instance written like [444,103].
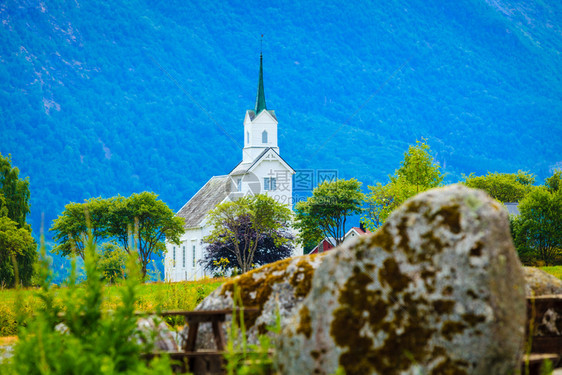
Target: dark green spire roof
[260,98]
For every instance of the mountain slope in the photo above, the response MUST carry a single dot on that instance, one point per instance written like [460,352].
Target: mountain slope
[117,97]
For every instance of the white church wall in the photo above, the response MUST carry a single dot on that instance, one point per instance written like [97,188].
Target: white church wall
[283,180]
[253,133]
[187,268]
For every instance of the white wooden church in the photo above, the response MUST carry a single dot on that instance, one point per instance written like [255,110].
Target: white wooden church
[262,170]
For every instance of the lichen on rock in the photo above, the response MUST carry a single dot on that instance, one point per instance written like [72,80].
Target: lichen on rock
[437,290]
[275,288]
[541,283]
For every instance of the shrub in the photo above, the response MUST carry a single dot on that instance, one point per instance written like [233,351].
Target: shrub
[92,340]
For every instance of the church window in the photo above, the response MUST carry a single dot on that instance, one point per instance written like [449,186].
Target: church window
[174,256]
[270,183]
[239,184]
[194,260]
[183,259]
[247,137]
[264,137]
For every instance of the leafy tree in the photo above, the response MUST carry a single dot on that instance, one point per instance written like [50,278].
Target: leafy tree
[15,192]
[325,213]
[149,219]
[505,187]
[140,222]
[418,172]
[419,169]
[554,182]
[246,227]
[17,249]
[112,262]
[220,257]
[77,222]
[537,231]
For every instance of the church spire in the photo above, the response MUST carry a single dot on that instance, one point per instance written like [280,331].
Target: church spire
[260,98]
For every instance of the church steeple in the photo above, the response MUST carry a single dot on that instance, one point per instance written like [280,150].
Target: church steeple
[260,98]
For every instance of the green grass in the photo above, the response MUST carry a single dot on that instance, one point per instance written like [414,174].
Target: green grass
[553,270]
[166,296]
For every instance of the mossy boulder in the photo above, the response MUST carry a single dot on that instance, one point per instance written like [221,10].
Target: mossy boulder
[437,290]
[276,287]
[541,283]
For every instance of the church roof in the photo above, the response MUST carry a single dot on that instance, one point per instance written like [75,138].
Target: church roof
[253,115]
[205,200]
[260,97]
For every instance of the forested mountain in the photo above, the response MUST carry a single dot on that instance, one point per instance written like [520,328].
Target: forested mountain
[99,98]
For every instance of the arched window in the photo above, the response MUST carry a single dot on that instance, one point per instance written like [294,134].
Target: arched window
[247,137]
[264,137]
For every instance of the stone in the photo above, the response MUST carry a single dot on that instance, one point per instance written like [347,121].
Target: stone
[541,283]
[155,327]
[274,288]
[438,289]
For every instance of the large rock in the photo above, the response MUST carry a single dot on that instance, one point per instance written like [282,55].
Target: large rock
[540,283]
[276,287]
[437,290]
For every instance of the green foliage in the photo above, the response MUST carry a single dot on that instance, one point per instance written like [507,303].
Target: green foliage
[18,253]
[537,231]
[325,213]
[18,250]
[418,169]
[505,187]
[554,182]
[91,127]
[14,193]
[114,219]
[265,217]
[112,262]
[92,341]
[77,222]
[153,222]
[248,359]
[151,297]
[418,172]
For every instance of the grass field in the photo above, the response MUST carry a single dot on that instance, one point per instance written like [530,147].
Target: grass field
[553,270]
[166,296]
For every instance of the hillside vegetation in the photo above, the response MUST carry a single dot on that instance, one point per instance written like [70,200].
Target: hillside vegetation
[115,97]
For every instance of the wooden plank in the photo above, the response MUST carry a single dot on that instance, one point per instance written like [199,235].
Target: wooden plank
[179,355]
[197,312]
[191,338]
[220,341]
[546,344]
[535,362]
[544,317]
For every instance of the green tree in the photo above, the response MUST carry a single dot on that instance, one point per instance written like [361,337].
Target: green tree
[15,192]
[146,217]
[112,262]
[325,213]
[240,226]
[554,182]
[504,187]
[418,172]
[538,229]
[140,222]
[77,222]
[17,249]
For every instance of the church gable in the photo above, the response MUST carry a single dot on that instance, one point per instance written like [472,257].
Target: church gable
[270,155]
